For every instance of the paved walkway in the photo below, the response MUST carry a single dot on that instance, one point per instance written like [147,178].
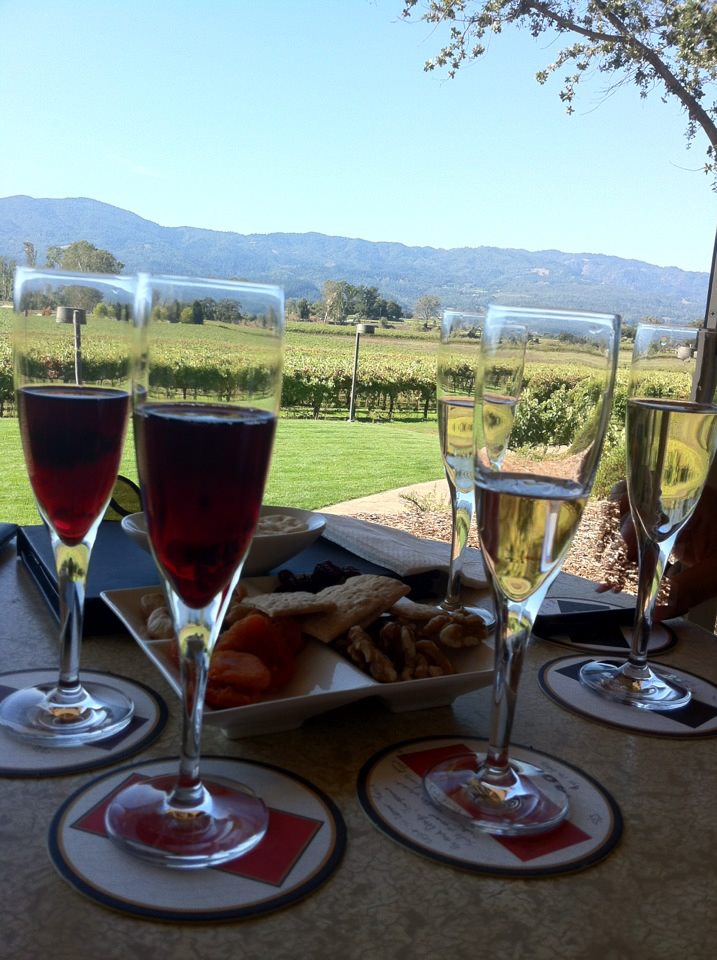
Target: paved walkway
[392,502]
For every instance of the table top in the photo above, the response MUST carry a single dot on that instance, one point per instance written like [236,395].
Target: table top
[653,896]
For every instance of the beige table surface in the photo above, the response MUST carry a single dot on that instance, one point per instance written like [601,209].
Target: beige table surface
[655,896]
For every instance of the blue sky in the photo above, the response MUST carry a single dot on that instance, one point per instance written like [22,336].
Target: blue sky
[316,115]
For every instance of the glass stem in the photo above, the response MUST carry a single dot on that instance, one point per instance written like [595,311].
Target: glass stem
[71,564]
[196,635]
[653,559]
[462,509]
[511,638]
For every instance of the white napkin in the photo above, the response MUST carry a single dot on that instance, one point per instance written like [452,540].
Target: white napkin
[399,551]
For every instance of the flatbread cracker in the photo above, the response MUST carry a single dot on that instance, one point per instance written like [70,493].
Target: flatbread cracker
[297,604]
[358,602]
[410,610]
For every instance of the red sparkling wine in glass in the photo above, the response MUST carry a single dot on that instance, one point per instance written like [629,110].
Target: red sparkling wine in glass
[203,445]
[194,464]
[72,440]
[71,372]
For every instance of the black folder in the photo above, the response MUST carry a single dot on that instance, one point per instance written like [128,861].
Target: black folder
[116,564]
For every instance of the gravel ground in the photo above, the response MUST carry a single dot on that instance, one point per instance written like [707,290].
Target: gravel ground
[596,553]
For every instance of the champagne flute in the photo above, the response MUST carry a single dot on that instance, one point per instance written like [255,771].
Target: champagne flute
[71,362]
[530,500]
[203,435]
[671,443]
[455,395]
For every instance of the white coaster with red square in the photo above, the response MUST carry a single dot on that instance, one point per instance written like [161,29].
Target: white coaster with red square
[21,759]
[303,846]
[391,792]
[560,680]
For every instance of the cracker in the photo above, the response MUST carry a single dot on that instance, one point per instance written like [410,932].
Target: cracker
[358,602]
[296,604]
[410,610]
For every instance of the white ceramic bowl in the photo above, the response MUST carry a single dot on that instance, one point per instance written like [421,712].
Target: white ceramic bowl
[268,550]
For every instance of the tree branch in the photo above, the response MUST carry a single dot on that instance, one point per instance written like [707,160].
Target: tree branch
[568,25]
[695,111]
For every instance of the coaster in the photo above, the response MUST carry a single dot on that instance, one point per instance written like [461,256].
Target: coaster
[21,759]
[303,846]
[595,626]
[560,679]
[390,790]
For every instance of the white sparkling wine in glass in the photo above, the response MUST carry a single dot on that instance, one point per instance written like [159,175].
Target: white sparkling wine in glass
[669,456]
[671,442]
[526,526]
[498,414]
[531,490]
[455,395]
[455,432]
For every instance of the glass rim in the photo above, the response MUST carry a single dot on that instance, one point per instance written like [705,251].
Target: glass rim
[182,280]
[24,274]
[551,312]
[667,325]
[33,273]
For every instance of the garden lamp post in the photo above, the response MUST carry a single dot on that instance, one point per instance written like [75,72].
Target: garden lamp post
[367,329]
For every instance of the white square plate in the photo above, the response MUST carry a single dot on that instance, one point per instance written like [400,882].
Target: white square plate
[323,679]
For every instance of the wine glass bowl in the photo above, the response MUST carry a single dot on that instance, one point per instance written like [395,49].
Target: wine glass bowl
[71,363]
[671,442]
[530,498]
[204,433]
[455,395]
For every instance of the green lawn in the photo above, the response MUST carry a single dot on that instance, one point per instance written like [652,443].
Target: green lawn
[316,463]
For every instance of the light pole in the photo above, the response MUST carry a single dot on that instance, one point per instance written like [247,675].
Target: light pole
[367,329]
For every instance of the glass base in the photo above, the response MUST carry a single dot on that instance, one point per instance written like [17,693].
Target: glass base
[637,686]
[515,802]
[228,822]
[487,616]
[44,716]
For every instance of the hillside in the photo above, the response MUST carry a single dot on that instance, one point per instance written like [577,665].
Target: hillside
[464,277]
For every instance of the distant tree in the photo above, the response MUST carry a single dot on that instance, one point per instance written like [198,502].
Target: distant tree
[83,257]
[7,274]
[197,312]
[227,311]
[303,309]
[367,303]
[337,299]
[665,45]
[427,308]
[392,310]
[388,310]
[298,309]
[30,254]
[209,309]
[160,313]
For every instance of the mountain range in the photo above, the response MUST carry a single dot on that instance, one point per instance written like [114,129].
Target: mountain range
[465,277]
